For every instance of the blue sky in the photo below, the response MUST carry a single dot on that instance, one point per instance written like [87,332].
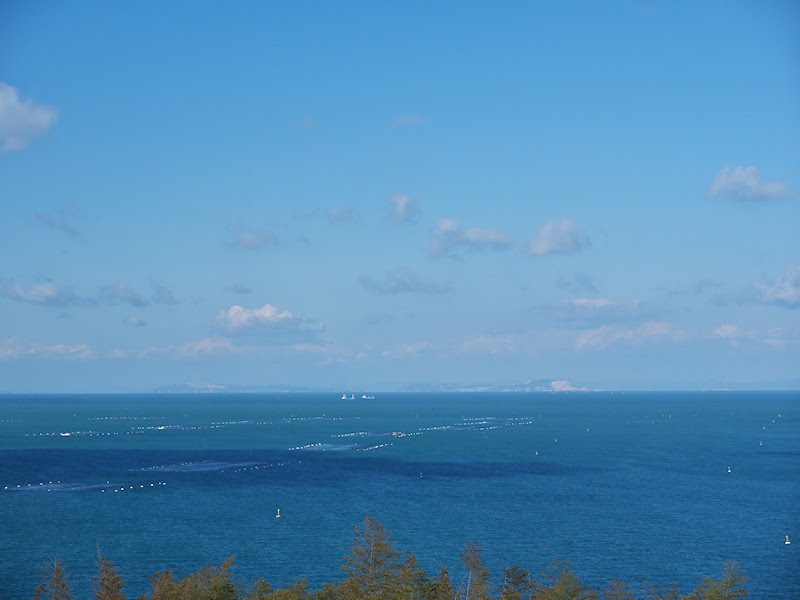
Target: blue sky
[366,195]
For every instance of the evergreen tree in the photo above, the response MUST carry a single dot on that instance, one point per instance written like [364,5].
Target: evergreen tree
[330,591]
[55,583]
[517,584]
[412,581]
[730,587]
[298,591]
[669,593]
[261,590]
[564,585]
[440,588]
[618,590]
[109,582]
[163,587]
[372,565]
[478,574]
[209,583]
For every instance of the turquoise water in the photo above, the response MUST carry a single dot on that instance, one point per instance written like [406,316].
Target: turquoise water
[633,486]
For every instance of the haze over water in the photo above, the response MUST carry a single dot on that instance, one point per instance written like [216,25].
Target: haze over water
[627,485]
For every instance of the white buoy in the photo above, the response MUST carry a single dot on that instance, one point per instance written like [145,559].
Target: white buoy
[278,516]
[787,540]
[729,469]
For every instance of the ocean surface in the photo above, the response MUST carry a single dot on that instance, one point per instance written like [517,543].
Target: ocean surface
[622,485]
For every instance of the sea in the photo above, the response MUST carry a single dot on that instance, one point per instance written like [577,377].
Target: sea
[654,488]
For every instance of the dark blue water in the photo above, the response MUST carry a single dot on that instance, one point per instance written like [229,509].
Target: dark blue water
[632,486]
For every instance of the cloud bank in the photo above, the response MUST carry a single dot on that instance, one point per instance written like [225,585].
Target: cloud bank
[402,209]
[21,121]
[449,236]
[267,320]
[558,236]
[44,292]
[745,183]
[15,348]
[783,291]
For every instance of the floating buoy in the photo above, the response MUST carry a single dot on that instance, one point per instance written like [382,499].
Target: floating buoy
[729,469]
[787,540]
[278,516]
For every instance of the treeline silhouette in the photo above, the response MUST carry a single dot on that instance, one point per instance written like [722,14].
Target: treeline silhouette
[376,570]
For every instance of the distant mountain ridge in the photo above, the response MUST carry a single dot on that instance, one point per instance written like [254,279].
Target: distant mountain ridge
[535,385]
[218,388]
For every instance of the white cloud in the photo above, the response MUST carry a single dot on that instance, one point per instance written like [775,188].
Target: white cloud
[134,321]
[608,335]
[490,344]
[15,348]
[21,120]
[558,236]
[728,331]
[204,347]
[745,183]
[449,236]
[402,281]
[779,338]
[269,324]
[591,303]
[598,311]
[402,208]
[122,293]
[253,240]
[783,291]
[45,292]
[238,317]
[310,348]
[406,350]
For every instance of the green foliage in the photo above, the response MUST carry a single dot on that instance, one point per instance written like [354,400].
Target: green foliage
[618,590]
[373,564]
[109,582]
[330,591]
[298,591]
[668,593]
[163,587]
[730,587]
[440,588]
[563,584]
[261,590]
[55,583]
[517,584]
[208,583]
[478,574]
[411,582]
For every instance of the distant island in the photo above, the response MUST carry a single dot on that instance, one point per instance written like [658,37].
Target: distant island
[534,385]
